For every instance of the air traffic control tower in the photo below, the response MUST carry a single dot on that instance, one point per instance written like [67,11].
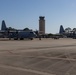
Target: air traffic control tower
[41,25]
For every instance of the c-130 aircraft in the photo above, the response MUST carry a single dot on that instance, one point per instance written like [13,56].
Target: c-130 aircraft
[16,34]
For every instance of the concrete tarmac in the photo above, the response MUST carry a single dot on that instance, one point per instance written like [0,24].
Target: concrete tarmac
[38,57]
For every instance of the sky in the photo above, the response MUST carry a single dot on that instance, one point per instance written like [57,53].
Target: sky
[22,14]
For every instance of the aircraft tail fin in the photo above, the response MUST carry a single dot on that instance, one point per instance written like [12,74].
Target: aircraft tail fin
[3,26]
